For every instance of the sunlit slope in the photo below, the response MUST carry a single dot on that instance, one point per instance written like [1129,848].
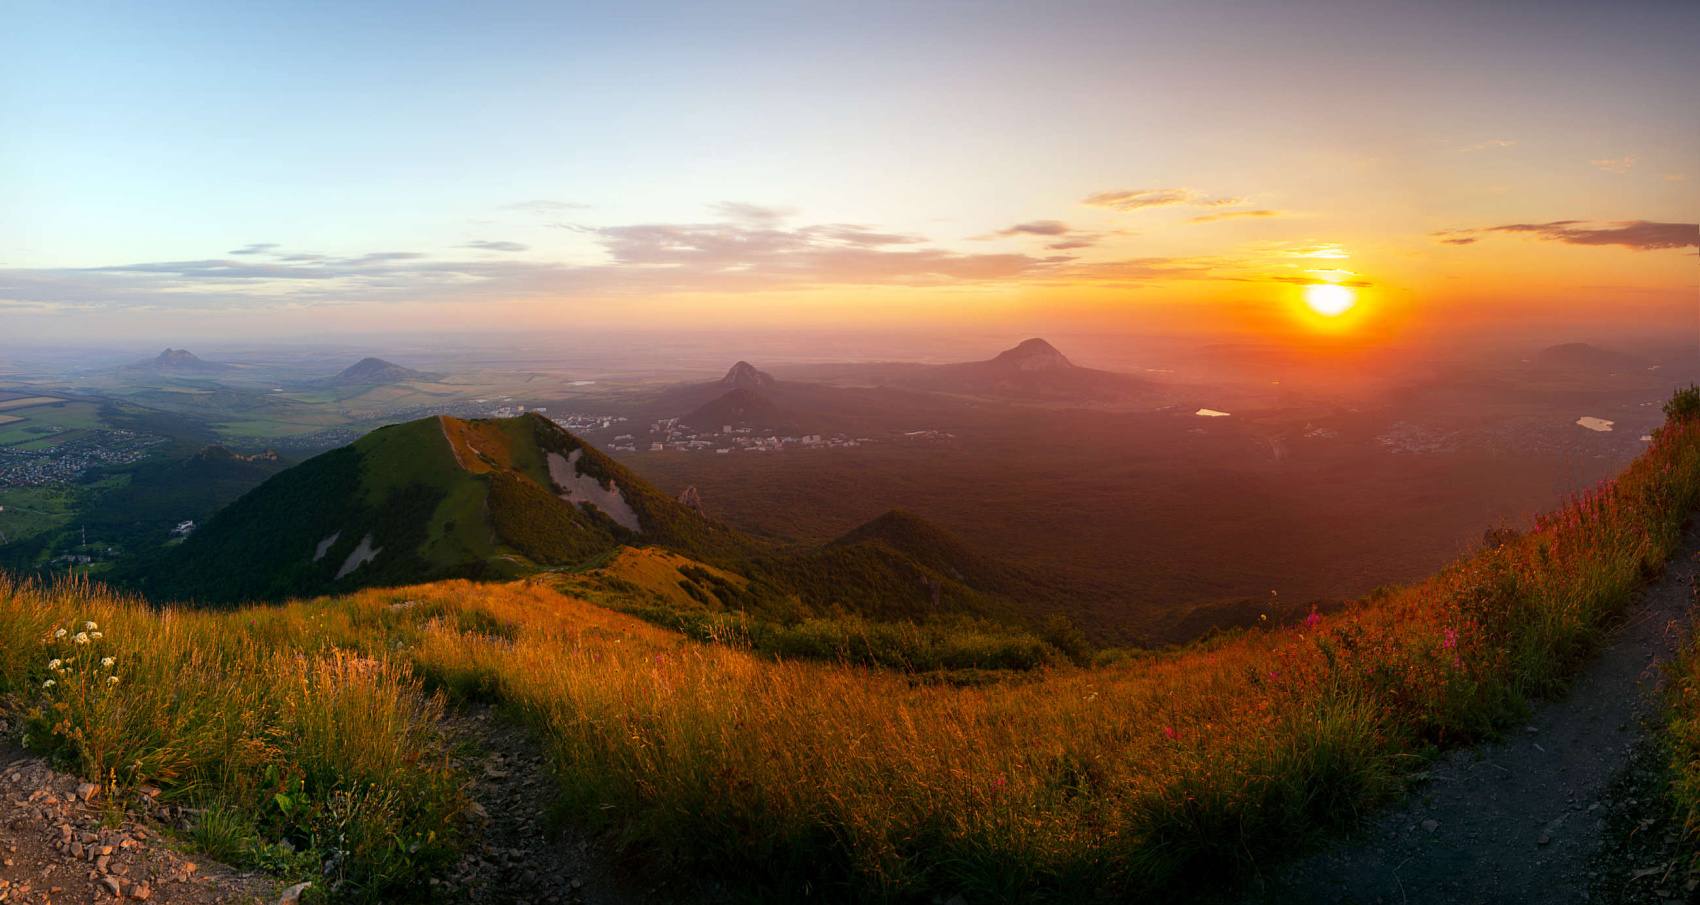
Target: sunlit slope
[1143,779]
[435,498]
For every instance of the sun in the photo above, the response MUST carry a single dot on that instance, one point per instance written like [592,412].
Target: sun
[1329,299]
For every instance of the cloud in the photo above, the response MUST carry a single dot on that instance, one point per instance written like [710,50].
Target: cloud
[1491,143]
[1615,164]
[544,206]
[258,248]
[1310,281]
[646,258]
[1067,237]
[1036,228]
[747,249]
[753,213]
[1125,200]
[1638,235]
[1233,215]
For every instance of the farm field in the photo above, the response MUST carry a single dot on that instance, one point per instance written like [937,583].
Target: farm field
[28,402]
[33,427]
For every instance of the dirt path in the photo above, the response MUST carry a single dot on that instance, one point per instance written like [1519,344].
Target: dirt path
[59,843]
[517,857]
[1565,809]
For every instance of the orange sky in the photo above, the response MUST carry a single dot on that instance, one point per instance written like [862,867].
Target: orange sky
[203,171]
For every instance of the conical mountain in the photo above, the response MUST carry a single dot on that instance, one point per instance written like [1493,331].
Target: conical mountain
[1033,355]
[435,498]
[744,374]
[178,361]
[373,371]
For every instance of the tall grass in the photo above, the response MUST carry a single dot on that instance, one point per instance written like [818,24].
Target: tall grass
[1144,778]
[338,754]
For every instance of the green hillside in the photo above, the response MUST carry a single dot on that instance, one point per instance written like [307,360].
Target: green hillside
[429,499]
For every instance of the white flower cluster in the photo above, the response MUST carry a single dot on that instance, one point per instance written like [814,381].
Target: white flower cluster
[90,633]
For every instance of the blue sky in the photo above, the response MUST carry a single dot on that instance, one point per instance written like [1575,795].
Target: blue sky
[677,163]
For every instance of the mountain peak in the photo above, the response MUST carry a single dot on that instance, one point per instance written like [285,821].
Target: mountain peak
[372,370]
[744,374]
[1033,355]
[178,361]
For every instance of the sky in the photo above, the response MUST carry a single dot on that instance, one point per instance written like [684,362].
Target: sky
[1313,170]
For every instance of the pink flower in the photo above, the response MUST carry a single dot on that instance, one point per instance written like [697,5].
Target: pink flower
[1169,733]
[1313,620]
[1451,639]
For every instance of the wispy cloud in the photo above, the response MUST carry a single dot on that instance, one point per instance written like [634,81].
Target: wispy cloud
[1133,199]
[1615,164]
[1639,235]
[1036,228]
[1067,237]
[258,248]
[748,252]
[742,212]
[746,248]
[1491,143]
[1233,215]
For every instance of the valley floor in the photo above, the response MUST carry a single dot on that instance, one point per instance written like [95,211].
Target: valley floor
[1548,814]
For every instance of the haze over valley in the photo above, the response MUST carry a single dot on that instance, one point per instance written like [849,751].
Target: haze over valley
[1147,519]
[906,451]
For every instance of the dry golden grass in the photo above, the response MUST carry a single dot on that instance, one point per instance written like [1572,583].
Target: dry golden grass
[1142,778]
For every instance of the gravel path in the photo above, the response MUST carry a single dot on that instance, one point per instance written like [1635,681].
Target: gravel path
[58,845]
[1550,814]
[518,855]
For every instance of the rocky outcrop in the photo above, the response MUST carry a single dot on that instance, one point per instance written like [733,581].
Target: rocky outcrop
[692,500]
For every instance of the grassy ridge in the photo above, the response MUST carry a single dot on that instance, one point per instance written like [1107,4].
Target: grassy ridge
[298,741]
[1146,777]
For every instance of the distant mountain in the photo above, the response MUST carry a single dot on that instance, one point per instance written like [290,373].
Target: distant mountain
[434,498]
[1032,355]
[744,374]
[179,361]
[898,566]
[373,371]
[742,407]
[1587,357]
[1031,371]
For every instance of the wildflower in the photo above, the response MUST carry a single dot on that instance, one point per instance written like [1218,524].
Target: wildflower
[1451,639]
[59,634]
[82,638]
[107,662]
[1313,620]
[89,626]
[112,680]
[55,664]
[96,635]
[49,683]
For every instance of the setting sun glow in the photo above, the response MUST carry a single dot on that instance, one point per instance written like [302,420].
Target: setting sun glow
[1330,300]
